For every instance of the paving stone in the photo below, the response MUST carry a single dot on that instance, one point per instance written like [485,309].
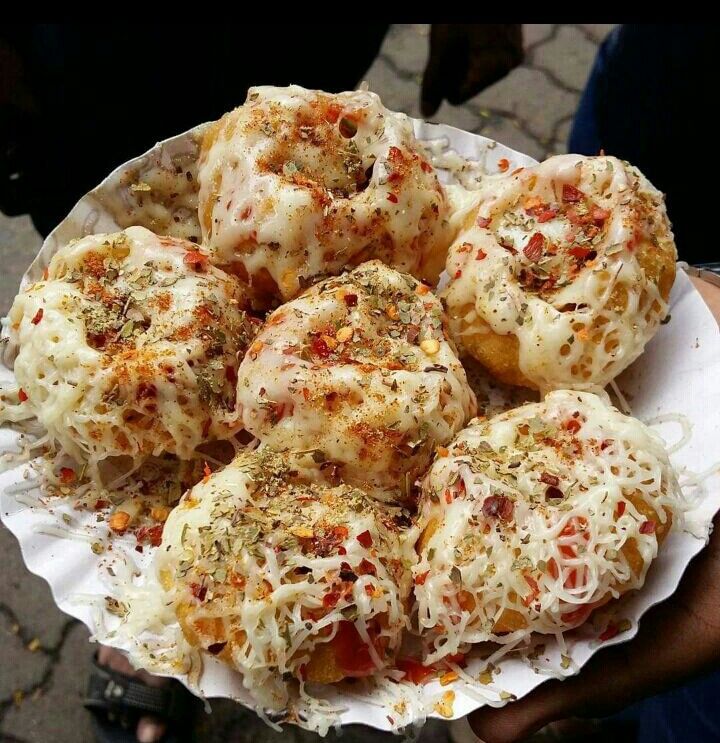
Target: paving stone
[397,93]
[530,96]
[460,116]
[28,596]
[28,668]
[406,46]
[507,132]
[19,241]
[535,33]
[562,133]
[569,56]
[57,713]
[598,31]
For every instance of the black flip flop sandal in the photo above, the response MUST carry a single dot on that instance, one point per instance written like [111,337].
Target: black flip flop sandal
[118,701]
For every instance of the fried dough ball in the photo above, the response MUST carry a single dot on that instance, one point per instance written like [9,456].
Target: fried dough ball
[130,346]
[358,370]
[284,576]
[536,517]
[564,274]
[298,184]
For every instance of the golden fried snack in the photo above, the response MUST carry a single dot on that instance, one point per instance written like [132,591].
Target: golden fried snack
[129,346]
[536,517]
[358,370]
[298,184]
[565,273]
[285,577]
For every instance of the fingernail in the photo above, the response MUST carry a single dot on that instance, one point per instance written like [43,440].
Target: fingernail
[149,731]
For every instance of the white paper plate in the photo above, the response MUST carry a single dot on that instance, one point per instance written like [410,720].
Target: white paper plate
[677,375]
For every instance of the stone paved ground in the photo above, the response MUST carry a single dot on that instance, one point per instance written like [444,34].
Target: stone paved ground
[44,656]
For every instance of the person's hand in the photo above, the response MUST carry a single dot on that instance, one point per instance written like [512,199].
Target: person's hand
[678,639]
[465,58]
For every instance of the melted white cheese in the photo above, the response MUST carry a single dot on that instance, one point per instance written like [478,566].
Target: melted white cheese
[375,402]
[155,379]
[284,188]
[484,291]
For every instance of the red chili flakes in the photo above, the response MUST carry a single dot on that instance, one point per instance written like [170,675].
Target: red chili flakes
[547,214]
[320,348]
[647,527]
[38,316]
[196,260]
[573,425]
[580,252]
[100,504]
[330,599]
[535,247]
[330,540]
[458,273]
[365,538]
[598,214]
[549,479]
[420,579]
[503,164]
[395,155]
[206,472]
[332,113]
[22,395]
[425,166]
[553,493]
[620,510]
[498,507]
[366,567]
[350,300]
[483,222]
[457,658]
[67,475]
[150,534]
[246,212]
[534,588]
[481,255]
[198,590]
[610,631]
[605,444]
[448,497]
[571,195]
[392,198]
[413,671]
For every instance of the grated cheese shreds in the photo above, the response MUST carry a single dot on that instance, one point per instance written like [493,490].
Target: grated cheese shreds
[536,517]
[284,577]
[129,347]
